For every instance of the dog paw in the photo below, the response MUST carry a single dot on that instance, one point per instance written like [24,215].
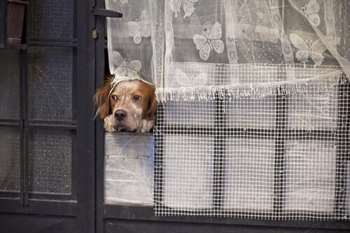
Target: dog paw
[146,126]
[109,124]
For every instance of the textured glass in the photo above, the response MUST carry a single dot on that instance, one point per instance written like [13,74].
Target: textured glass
[9,159]
[129,169]
[51,19]
[50,162]
[314,110]
[200,113]
[9,84]
[251,113]
[50,83]
[193,174]
[249,169]
[311,176]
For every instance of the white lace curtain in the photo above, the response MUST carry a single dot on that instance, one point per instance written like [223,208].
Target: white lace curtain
[271,151]
[195,46]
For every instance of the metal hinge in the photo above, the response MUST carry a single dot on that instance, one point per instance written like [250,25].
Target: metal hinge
[103,13]
[94,34]
[107,13]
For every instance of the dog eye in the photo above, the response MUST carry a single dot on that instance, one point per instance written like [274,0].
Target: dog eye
[136,98]
[115,97]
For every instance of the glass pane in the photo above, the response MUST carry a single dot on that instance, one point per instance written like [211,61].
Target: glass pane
[251,113]
[188,172]
[9,84]
[314,110]
[50,83]
[249,175]
[310,176]
[190,113]
[129,169]
[9,159]
[50,162]
[51,19]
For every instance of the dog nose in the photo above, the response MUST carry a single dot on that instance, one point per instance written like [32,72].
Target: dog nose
[120,115]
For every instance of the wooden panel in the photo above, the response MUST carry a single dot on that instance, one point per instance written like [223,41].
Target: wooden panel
[172,227]
[36,224]
[3,15]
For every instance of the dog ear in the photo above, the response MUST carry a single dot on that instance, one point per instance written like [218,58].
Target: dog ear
[152,105]
[102,99]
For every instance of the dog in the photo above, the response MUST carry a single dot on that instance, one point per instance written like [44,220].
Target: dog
[126,103]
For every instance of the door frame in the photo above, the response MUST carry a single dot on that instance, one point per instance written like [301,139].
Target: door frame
[73,215]
[132,216]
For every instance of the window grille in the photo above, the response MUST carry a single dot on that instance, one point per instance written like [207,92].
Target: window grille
[283,155]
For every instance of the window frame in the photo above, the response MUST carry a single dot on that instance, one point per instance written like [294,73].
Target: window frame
[280,135]
[146,213]
[25,201]
[108,214]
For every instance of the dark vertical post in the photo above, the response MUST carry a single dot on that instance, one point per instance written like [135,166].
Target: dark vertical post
[158,161]
[3,23]
[99,36]
[24,127]
[75,159]
[279,165]
[85,74]
[342,151]
[219,152]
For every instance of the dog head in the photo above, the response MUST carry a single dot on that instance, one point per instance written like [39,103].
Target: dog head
[126,106]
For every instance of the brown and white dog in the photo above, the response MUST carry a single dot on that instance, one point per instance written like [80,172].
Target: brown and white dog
[128,105]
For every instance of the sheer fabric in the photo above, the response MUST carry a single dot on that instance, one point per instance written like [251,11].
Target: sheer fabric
[190,44]
[252,120]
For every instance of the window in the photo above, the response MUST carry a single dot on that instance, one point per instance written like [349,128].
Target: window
[129,169]
[37,116]
[281,155]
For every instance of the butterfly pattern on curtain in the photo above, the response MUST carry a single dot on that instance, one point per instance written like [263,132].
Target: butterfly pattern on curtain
[232,32]
[188,7]
[118,61]
[140,28]
[209,40]
[307,49]
[270,57]
[311,11]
